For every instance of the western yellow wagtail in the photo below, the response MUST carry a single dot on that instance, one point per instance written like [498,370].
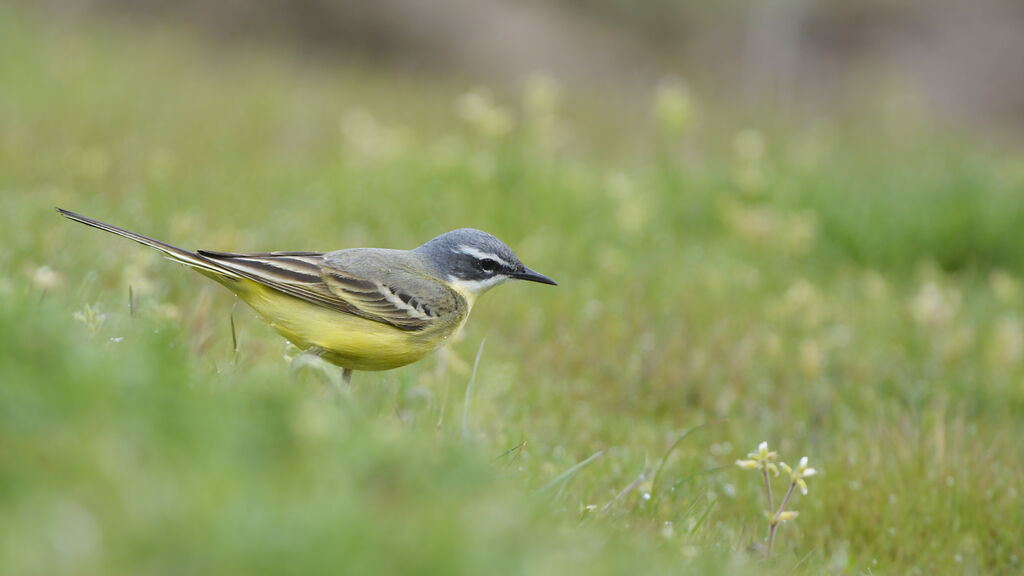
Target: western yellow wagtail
[360,308]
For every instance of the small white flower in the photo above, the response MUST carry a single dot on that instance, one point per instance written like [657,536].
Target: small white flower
[760,460]
[797,475]
[46,278]
[804,470]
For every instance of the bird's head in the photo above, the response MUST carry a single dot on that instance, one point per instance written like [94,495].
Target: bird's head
[475,261]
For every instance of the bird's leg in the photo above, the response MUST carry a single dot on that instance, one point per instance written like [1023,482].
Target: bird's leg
[311,358]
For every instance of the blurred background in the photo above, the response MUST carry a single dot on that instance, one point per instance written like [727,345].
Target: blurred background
[785,221]
[964,60]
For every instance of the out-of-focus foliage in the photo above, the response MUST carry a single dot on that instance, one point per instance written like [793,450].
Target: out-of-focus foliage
[848,289]
[963,57]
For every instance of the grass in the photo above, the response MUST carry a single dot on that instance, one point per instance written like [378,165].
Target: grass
[847,290]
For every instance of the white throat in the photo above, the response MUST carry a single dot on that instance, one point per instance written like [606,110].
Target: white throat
[477,287]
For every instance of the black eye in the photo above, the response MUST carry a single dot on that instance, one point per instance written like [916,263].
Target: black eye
[488,265]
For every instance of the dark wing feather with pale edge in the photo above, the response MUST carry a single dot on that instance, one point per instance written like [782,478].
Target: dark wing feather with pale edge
[351,281]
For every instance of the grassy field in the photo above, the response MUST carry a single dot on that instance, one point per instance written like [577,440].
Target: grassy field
[846,288]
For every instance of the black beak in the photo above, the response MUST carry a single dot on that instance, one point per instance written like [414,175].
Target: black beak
[527,274]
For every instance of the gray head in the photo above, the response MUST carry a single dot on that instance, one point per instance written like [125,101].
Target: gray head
[476,261]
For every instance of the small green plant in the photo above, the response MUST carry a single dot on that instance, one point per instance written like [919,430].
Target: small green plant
[92,317]
[764,460]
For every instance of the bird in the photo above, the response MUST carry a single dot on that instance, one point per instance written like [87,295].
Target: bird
[363,309]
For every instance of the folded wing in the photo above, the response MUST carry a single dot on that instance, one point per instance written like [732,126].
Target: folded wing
[358,282]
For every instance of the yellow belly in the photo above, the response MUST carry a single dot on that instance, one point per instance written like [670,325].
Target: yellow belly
[348,341]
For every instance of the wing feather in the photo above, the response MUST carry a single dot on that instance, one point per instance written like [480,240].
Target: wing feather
[360,287]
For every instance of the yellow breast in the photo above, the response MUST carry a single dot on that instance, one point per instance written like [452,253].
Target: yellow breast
[348,341]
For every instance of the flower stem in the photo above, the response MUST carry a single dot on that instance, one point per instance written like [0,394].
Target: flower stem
[768,490]
[785,500]
[771,506]
[775,518]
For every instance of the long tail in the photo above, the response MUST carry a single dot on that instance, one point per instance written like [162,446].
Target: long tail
[179,254]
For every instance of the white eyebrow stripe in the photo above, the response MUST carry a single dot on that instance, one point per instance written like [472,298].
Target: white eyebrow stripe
[480,254]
